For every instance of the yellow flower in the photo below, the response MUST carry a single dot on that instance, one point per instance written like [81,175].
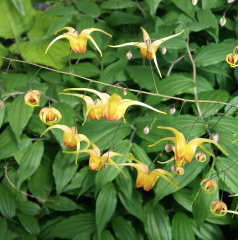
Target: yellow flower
[50,116]
[232,59]
[71,138]
[148,49]
[78,42]
[32,98]
[96,161]
[218,208]
[185,152]
[148,180]
[112,107]
[208,185]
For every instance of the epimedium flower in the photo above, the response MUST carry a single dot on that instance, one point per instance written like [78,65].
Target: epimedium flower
[112,107]
[32,98]
[184,152]
[148,179]
[71,138]
[78,42]
[218,208]
[98,161]
[208,184]
[148,49]
[50,116]
[232,59]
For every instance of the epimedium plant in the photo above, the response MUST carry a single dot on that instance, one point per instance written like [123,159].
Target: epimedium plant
[49,192]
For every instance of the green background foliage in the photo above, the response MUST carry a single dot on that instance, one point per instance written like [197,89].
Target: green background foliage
[72,202]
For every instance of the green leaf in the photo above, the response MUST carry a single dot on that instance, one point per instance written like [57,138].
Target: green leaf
[201,205]
[140,75]
[119,18]
[212,54]
[62,204]
[186,7]
[84,23]
[29,237]
[13,24]
[215,95]
[88,8]
[106,235]
[29,223]
[153,5]
[123,229]
[64,165]
[3,224]
[31,162]
[197,26]
[172,85]
[232,110]
[57,10]
[70,227]
[111,71]
[19,6]
[184,198]
[105,206]
[208,231]
[7,202]
[41,24]
[58,24]
[34,51]
[125,184]
[82,236]
[117,4]
[28,208]
[156,222]
[84,69]
[19,114]
[225,163]
[182,227]
[2,112]
[10,236]
[133,206]
[108,174]
[3,53]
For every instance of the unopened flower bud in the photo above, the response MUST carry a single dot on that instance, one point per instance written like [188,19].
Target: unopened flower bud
[124,92]
[168,147]
[179,171]
[222,21]
[104,165]
[172,110]
[129,55]
[215,138]
[146,130]
[164,50]
[194,2]
[230,1]
[173,168]
[201,157]
[1,104]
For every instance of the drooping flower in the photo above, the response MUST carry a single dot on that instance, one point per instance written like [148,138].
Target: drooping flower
[184,152]
[218,208]
[50,116]
[71,138]
[148,49]
[208,184]
[232,59]
[148,180]
[78,42]
[201,157]
[32,98]
[111,107]
[96,161]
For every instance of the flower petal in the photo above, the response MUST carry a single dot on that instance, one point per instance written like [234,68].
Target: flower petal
[65,128]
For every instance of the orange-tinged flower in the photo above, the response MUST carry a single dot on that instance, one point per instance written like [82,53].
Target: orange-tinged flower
[208,185]
[179,171]
[112,107]
[232,59]
[78,42]
[71,138]
[148,49]
[148,180]
[96,161]
[50,116]
[201,157]
[218,208]
[184,152]
[32,98]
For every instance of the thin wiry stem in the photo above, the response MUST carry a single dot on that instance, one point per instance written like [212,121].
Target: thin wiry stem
[176,61]
[132,90]
[34,77]
[52,89]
